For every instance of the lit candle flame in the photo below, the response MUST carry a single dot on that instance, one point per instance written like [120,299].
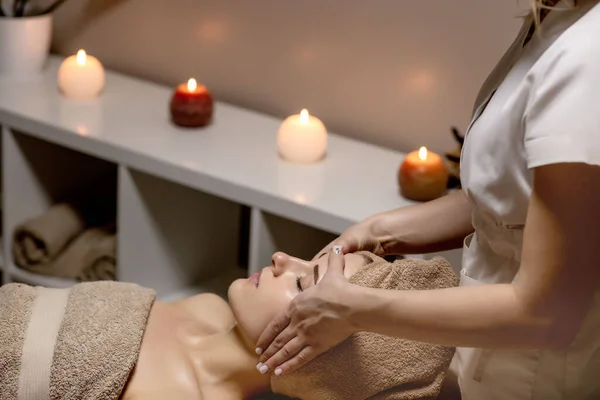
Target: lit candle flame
[423,153]
[192,85]
[304,116]
[300,198]
[81,129]
[81,57]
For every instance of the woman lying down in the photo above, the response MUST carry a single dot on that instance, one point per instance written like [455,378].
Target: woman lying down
[109,340]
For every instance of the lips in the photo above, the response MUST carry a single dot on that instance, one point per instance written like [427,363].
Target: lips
[255,278]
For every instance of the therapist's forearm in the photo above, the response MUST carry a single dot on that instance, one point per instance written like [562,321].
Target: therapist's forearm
[438,225]
[473,316]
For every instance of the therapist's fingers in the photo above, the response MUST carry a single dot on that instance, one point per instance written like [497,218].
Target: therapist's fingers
[336,262]
[287,352]
[272,331]
[277,344]
[347,247]
[305,355]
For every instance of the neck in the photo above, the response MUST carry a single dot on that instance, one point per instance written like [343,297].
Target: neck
[224,361]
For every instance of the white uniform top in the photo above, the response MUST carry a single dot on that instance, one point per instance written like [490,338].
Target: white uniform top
[546,110]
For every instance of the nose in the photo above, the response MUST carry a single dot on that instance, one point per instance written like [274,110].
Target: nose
[281,262]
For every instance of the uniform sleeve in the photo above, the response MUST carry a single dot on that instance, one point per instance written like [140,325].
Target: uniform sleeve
[562,119]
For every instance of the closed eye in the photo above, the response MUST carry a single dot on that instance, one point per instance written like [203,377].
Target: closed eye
[299,284]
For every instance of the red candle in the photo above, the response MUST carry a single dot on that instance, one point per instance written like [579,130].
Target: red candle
[191,105]
[423,176]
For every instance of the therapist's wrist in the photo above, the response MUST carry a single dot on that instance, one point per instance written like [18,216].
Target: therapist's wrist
[356,298]
[372,309]
[383,227]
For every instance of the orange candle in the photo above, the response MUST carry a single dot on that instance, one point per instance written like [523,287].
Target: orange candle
[423,176]
[191,105]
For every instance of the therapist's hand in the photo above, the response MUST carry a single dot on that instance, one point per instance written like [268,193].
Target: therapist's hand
[314,322]
[359,237]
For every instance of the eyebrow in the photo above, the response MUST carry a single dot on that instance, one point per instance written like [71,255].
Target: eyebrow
[316,268]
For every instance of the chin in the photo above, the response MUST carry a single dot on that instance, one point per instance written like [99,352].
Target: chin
[233,293]
[238,301]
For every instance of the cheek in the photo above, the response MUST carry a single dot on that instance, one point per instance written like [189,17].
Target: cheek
[254,309]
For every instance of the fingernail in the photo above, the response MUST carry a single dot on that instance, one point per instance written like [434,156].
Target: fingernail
[278,371]
[258,366]
[258,351]
[337,249]
[263,369]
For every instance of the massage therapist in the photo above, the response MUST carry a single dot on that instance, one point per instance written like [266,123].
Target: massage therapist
[526,318]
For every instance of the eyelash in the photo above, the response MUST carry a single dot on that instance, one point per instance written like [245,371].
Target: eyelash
[299,284]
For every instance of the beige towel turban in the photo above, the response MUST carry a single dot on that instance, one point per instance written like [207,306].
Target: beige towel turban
[373,366]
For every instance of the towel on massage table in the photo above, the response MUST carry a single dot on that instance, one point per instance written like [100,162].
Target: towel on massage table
[76,343]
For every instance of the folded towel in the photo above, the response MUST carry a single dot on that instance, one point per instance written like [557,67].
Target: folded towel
[76,343]
[92,256]
[89,257]
[374,366]
[102,269]
[39,240]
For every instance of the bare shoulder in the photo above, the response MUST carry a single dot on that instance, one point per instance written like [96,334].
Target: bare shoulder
[171,394]
[215,393]
[209,308]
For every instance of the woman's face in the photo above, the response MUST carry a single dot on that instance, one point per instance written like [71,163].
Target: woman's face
[257,300]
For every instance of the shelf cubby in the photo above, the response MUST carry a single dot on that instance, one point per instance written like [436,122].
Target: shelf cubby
[172,236]
[36,175]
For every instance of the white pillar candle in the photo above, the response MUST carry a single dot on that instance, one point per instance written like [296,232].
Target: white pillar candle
[302,138]
[81,76]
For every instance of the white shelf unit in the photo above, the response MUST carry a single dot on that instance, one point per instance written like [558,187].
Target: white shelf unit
[181,192]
